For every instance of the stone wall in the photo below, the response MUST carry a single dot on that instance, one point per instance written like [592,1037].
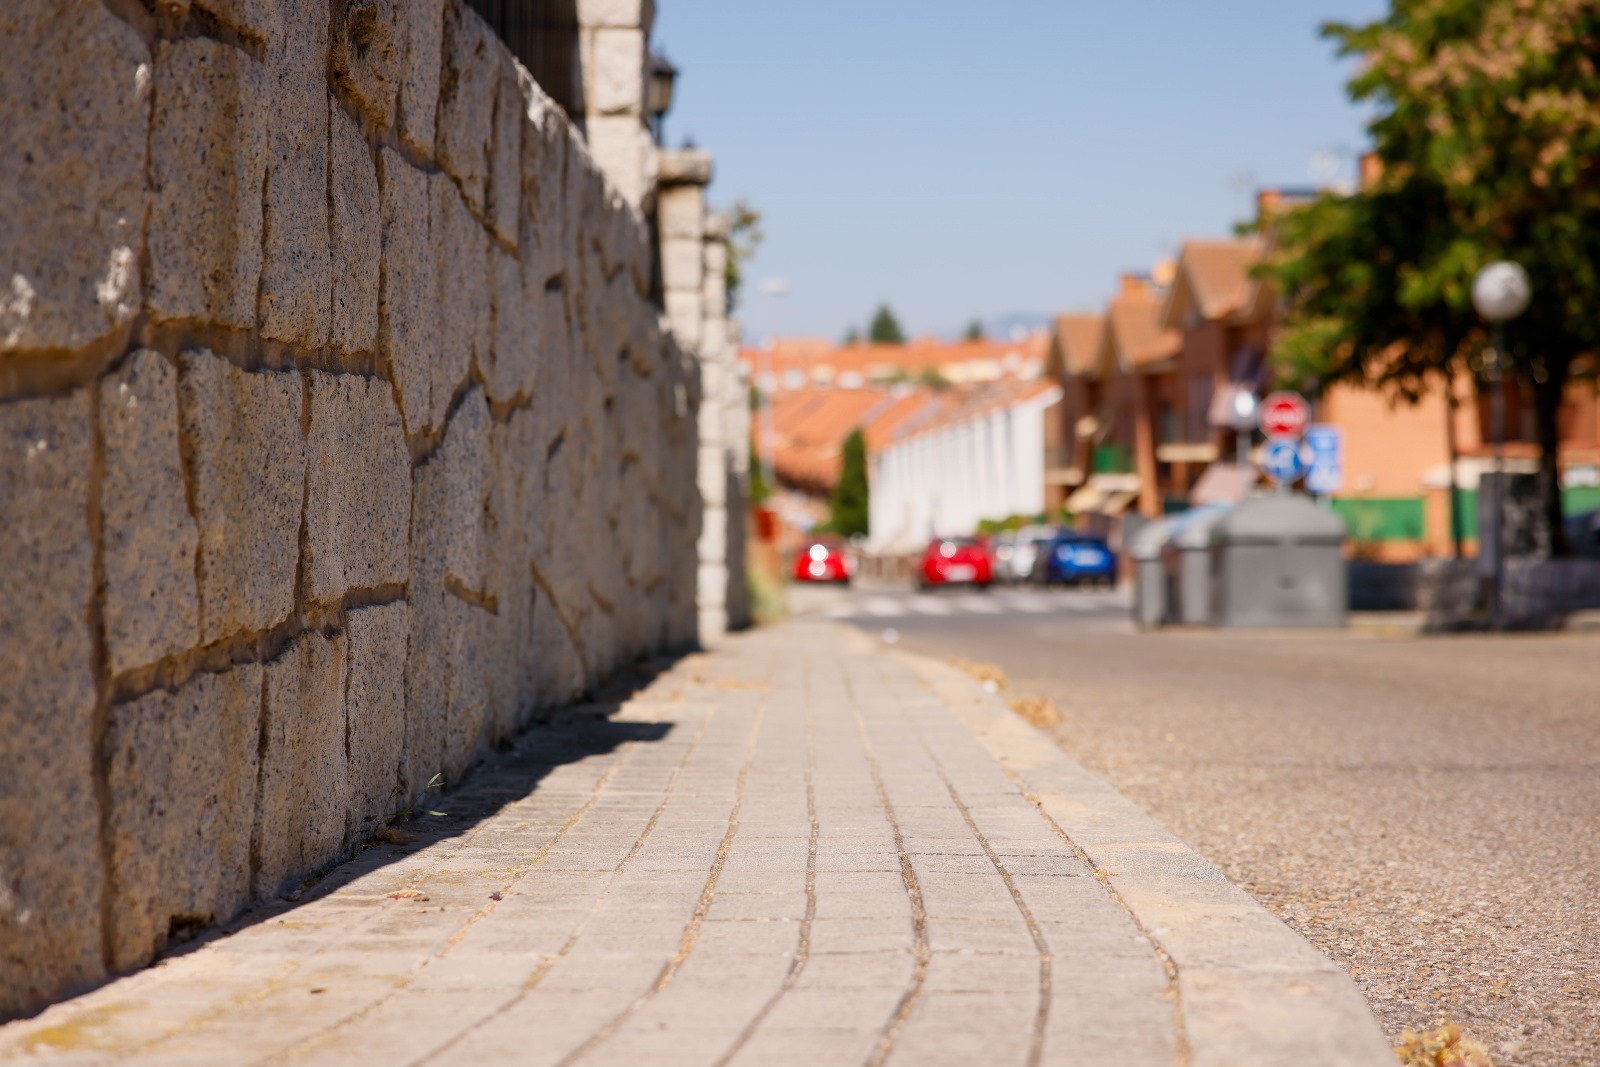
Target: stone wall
[339,435]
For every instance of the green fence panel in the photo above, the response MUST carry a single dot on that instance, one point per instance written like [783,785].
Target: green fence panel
[1381,518]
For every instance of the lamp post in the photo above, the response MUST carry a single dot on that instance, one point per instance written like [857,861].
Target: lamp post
[1500,293]
[1242,416]
[658,93]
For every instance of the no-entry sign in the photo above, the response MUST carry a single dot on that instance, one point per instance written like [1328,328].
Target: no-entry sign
[1284,414]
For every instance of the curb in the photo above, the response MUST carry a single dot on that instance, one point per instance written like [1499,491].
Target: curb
[1248,989]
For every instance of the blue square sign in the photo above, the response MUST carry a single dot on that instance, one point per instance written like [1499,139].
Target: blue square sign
[1325,469]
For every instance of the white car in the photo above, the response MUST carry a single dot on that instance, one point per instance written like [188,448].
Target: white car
[1016,553]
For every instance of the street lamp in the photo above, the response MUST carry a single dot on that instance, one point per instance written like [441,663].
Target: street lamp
[1242,416]
[1500,293]
[658,93]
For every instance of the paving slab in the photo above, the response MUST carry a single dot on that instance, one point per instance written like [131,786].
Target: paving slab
[799,848]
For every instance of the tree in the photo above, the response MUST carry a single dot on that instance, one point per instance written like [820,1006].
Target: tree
[848,504]
[933,378]
[1488,132]
[744,237]
[974,331]
[852,336]
[885,328]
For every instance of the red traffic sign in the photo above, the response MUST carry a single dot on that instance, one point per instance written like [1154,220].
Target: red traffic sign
[1284,414]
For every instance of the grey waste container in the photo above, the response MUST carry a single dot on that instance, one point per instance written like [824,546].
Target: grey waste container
[1280,563]
[1196,545]
[1150,573]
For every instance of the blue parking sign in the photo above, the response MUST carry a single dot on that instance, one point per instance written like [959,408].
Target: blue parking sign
[1325,472]
[1281,459]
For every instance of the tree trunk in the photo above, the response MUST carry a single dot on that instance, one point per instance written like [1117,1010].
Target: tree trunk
[1547,398]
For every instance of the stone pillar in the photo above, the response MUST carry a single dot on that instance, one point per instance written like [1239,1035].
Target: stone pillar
[614,50]
[694,288]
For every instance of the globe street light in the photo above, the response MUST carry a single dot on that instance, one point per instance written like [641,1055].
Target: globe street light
[1500,293]
[1242,416]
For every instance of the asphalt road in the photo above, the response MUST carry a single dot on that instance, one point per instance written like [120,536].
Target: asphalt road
[1424,810]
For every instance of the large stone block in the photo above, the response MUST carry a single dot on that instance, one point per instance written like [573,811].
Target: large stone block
[295,279]
[615,71]
[356,237]
[375,705]
[467,86]
[640,13]
[208,157]
[461,249]
[511,369]
[305,779]
[367,52]
[183,801]
[621,147]
[447,515]
[247,476]
[72,163]
[148,536]
[466,628]
[685,310]
[50,869]
[422,30]
[681,211]
[409,328]
[505,154]
[683,264]
[358,488]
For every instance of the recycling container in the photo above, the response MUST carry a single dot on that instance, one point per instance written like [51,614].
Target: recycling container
[1280,562]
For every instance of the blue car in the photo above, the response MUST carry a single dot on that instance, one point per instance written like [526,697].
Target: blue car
[1075,558]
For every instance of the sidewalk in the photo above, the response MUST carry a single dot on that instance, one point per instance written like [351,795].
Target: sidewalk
[796,850]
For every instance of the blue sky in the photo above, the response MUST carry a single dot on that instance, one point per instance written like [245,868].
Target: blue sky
[966,160]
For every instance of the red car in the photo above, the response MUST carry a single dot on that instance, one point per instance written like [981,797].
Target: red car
[955,561]
[822,560]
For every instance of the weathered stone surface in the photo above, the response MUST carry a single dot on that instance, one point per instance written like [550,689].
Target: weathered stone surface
[50,871]
[447,514]
[255,20]
[305,782]
[616,13]
[472,59]
[208,152]
[461,303]
[447,560]
[375,713]
[683,264]
[248,477]
[358,488]
[422,31]
[615,69]
[621,147]
[183,801]
[148,537]
[409,321]
[511,367]
[685,309]
[72,159]
[468,695]
[356,237]
[295,265]
[367,53]
[505,154]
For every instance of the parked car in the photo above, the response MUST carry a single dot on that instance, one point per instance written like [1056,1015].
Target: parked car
[822,559]
[1073,558]
[955,561]
[1026,544]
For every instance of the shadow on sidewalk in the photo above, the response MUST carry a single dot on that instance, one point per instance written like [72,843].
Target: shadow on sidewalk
[558,737]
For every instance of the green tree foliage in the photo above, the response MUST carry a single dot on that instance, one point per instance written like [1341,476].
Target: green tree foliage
[744,237]
[885,328]
[1488,131]
[852,336]
[848,507]
[760,491]
[933,378]
[974,331]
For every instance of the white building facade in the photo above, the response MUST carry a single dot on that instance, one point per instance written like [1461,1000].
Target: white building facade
[943,478]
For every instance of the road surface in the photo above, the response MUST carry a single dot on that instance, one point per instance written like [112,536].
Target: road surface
[1424,810]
